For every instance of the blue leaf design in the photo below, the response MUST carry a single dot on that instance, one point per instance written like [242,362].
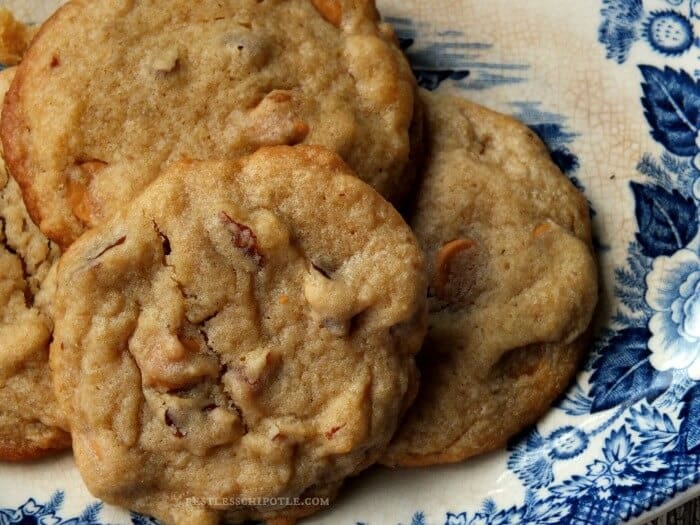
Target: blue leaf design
[620,27]
[691,416]
[672,103]
[418,519]
[552,511]
[656,430]
[618,445]
[530,461]
[405,43]
[489,507]
[574,487]
[630,290]
[649,464]
[55,502]
[91,514]
[431,78]
[140,519]
[576,402]
[509,516]
[667,221]
[623,374]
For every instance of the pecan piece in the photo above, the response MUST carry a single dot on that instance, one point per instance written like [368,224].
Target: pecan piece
[330,433]
[243,238]
[171,424]
[541,229]
[78,190]
[443,261]
[330,10]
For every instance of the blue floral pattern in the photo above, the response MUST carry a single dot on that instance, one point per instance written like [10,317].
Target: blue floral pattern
[670,31]
[449,56]
[673,292]
[34,513]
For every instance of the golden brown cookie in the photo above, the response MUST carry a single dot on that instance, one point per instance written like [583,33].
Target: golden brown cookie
[14,38]
[29,422]
[514,284]
[242,330]
[135,86]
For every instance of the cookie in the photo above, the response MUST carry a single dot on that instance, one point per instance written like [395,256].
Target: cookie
[514,284]
[242,330]
[29,420]
[14,38]
[134,87]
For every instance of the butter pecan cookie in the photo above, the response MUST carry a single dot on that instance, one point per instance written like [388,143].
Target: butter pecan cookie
[29,420]
[14,38]
[243,330]
[134,86]
[514,284]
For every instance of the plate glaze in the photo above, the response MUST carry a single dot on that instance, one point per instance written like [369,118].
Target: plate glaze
[612,87]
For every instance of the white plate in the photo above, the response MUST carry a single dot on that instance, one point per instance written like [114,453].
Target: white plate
[611,87]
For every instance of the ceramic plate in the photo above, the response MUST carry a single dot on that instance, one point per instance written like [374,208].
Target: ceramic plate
[612,88]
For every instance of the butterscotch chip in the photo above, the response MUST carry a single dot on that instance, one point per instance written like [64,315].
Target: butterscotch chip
[30,425]
[508,242]
[184,373]
[134,87]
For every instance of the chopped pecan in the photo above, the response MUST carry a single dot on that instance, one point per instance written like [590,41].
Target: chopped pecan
[166,62]
[330,10]
[77,190]
[244,239]
[171,424]
[541,229]
[443,261]
[329,434]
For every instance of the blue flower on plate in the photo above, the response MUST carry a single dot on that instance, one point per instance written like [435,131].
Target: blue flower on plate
[669,32]
[533,458]
[624,464]
[673,293]
[33,513]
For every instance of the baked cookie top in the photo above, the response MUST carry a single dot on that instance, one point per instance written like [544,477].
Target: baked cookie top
[14,38]
[28,410]
[134,86]
[242,329]
[514,284]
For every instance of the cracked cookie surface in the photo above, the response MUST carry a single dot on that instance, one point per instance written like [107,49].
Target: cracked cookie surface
[514,284]
[136,85]
[243,329]
[29,420]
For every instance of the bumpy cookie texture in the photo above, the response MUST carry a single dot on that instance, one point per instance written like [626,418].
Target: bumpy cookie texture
[14,38]
[244,329]
[29,420]
[514,285]
[136,85]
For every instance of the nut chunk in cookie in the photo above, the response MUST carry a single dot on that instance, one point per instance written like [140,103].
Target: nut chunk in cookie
[513,284]
[134,86]
[243,329]
[30,424]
